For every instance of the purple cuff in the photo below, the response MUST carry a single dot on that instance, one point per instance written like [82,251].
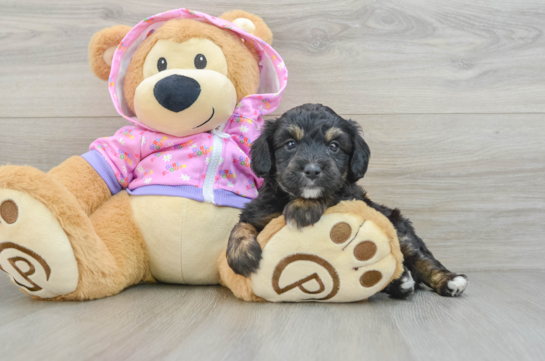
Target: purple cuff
[222,197]
[229,199]
[101,166]
[174,191]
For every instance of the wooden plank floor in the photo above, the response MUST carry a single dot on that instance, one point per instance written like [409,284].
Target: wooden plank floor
[500,317]
[450,94]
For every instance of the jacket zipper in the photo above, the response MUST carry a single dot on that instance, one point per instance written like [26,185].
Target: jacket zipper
[215,157]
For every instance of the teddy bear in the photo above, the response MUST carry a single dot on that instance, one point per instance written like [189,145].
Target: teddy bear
[156,201]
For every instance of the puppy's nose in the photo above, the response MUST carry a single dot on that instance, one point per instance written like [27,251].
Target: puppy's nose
[177,92]
[312,171]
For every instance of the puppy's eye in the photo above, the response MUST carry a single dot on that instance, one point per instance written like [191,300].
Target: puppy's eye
[290,145]
[334,147]
[161,64]
[200,61]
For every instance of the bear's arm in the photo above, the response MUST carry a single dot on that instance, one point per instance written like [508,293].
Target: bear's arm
[77,175]
[105,170]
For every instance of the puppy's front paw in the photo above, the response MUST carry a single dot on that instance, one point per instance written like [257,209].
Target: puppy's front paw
[301,213]
[243,250]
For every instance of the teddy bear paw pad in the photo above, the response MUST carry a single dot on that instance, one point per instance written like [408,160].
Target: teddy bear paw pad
[34,249]
[342,258]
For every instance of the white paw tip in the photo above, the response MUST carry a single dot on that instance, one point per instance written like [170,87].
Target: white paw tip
[457,285]
[292,224]
[407,282]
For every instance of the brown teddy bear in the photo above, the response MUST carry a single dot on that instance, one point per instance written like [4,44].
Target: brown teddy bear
[157,200]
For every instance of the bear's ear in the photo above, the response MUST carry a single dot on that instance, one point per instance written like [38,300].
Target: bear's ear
[250,23]
[102,48]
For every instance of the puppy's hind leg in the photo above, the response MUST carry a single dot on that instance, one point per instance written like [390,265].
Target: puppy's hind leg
[421,262]
[433,274]
[428,270]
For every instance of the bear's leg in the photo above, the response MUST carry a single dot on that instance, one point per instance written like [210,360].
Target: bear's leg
[49,246]
[127,261]
[238,284]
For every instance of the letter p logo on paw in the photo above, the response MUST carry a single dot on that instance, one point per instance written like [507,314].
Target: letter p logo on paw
[34,249]
[288,272]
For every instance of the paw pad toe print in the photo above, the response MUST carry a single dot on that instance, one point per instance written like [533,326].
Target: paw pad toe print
[9,211]
[342,258]
[365,250]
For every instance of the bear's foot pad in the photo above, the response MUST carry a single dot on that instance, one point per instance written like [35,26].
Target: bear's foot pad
[342,258]
[34,249]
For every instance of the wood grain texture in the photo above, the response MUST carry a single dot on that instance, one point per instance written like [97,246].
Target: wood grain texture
[500,317]
[472,184]
[359,56]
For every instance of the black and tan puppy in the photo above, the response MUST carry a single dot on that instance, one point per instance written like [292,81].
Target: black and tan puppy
[310,159]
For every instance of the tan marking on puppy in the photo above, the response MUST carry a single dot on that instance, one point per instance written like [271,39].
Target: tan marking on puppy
[244,235]
[266,220]
[332,133]
[243,230]
[296,131]
[302,203]
[303,212]
[437,277]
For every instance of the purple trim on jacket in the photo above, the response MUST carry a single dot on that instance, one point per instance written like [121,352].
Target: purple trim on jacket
[222,197]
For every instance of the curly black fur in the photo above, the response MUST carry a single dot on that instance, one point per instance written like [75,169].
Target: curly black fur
[310,159]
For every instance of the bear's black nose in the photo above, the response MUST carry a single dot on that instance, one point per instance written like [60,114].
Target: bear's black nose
[177,92]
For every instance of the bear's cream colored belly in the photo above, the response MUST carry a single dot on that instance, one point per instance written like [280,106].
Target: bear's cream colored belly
[184,237]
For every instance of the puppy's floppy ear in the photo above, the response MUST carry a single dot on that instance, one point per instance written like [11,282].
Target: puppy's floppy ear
[250,23]
[102,48]
[359,159]
[262,151]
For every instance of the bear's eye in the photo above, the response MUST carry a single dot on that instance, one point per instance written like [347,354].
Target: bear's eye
[200,61]
[161,64]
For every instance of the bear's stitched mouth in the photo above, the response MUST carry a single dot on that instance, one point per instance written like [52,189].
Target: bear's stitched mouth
[206,120]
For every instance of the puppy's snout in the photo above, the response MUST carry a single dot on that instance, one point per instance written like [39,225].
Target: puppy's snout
[177,92]
[312,171]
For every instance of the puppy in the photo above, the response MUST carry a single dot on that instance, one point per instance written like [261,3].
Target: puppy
[310,159]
